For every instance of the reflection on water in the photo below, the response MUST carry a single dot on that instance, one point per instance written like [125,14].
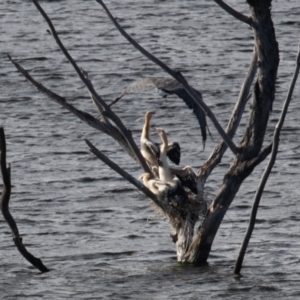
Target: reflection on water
[99,235]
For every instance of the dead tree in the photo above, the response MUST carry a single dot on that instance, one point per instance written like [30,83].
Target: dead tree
[193,245]
[4,205]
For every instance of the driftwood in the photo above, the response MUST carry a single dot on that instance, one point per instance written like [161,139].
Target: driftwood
[5,171]
[194,245]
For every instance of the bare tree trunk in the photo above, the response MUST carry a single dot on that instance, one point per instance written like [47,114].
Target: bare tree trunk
[250,147]
[244,245]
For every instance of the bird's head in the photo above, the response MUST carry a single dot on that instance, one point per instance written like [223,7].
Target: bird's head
[149,115]
[159,130]
[162,135]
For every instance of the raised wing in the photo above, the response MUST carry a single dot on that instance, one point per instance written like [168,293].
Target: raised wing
[168,86]
[140,84]
[173,153]
[153,148]
[189,101]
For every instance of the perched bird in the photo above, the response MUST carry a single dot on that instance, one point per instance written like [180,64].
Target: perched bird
[155,185]
[185,175]
[168,86]
[164,171]
[171,191]
[151,150]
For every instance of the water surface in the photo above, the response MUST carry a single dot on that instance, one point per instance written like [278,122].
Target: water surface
[98,234]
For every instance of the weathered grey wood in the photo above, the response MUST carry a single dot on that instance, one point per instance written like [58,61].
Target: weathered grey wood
[4,205]
[241,167]
[260,189]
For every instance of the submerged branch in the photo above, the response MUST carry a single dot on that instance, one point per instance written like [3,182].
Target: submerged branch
[100,103]
[267,171]
[5,171]
[176,75]
[234,13]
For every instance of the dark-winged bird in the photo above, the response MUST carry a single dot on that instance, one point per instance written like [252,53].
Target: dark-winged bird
[168,86]
[151,150]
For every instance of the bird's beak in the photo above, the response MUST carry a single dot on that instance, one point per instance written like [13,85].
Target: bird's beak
[141,176]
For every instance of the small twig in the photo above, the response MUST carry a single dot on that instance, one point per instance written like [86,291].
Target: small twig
[234,13]
[176,75]
[260,189]
[5,171]
[123,173]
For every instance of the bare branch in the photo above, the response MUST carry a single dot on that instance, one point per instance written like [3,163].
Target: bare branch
[106,128]
[267,171]
[234,13]
[123,173]
[253,138]
[5,171]
[261,156]
[100,103]
[176,75]
[233,123]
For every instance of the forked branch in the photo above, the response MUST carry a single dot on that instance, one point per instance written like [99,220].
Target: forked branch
[260,189]
[100,103]
[104,127]
[5,171]
[176,75]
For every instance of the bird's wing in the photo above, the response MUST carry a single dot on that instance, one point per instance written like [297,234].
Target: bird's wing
[189,101]
[137,85]
[187,178]
[153,148]
[160,185]
[169,86]
[173,153]
[200,115]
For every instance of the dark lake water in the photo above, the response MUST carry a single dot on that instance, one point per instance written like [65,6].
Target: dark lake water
[100,237]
